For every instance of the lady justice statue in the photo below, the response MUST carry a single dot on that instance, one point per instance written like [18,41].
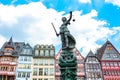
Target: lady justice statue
[67,60]
[67,39]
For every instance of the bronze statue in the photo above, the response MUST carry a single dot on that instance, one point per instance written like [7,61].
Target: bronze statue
[67,39]
[67,60]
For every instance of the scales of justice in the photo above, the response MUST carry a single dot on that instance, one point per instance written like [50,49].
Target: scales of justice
[67,60]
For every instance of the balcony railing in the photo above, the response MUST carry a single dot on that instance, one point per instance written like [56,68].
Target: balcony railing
[8,63]
[109,67]
[7,73]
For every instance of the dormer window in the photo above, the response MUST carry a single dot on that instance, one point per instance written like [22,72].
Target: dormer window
[37,46]
[46,46]
[51,52]
[36,52]
[41,52]
[109,48]
[46,52]
[42,46]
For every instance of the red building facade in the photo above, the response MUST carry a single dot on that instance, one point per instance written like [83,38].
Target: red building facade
[110,61]
[80,65]
[8,61]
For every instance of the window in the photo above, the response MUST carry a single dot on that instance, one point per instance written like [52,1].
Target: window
[28,66]
[107,55]
[24,66]
[11,69]
[45,71]
[109,48]
[35,62]
[36,52]
[103,63]
[78,69]
[78,78]
[35,71]
[28,74]
[115,56]
[51,52]
[41,52]
[37,46]
[46,62]
[19,74]
[28,51]
[20,66]
[39,79]
[107,63]
[23,75]
[25,58]
[40,71]
[47,46]
[51,62]
[46,52]
[42,46]
[29,58]
[34,79]
[21,58]
[51,71]
[115,64]
[119,63]
[51,78]
[57,61]
[57,69]
[41,62]
[45,79]
[111,63]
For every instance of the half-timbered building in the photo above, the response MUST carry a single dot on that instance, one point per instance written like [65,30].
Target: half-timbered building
[110,61]
[92,67]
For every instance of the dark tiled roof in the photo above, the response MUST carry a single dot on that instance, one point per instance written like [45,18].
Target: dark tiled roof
[16,46]
[90,54]
[26,46]
[10,44]
[100,51]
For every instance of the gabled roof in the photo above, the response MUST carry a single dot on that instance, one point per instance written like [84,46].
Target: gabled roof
[16,46]
[26,46]
[101,50]
[90,54]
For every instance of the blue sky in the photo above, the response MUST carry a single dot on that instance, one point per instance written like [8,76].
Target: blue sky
[30,21]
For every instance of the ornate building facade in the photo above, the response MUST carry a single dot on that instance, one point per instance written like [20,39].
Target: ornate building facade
[43,62]
[110,61]
[18,61]
[80,65]
[92,67]
[24,67]
[8,60]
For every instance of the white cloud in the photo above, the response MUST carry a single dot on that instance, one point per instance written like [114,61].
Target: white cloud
[2,40]
[114,2]
[85,1]
[36,21]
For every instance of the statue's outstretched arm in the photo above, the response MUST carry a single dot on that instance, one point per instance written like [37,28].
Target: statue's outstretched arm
[68,22]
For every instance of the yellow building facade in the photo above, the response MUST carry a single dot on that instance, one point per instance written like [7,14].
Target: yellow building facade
[43,62]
